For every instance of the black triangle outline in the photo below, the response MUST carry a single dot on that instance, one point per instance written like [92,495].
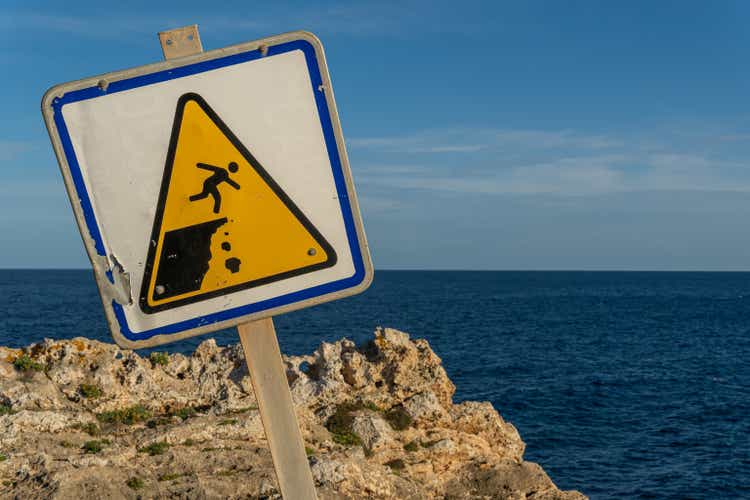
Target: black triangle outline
[312,230]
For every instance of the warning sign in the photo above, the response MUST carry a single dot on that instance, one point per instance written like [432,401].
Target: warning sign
[222,223]
[244,209]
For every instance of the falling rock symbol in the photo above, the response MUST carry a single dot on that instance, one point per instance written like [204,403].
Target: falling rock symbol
[233,264]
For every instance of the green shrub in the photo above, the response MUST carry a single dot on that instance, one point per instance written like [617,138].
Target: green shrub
[24,363]
[154,423]
[128,416]
[398,418]
[135,483]
[185,413]
[94,446]
[159,358]
[5,409]
[411,446]
[3,457]
[90,391]
[228,421]
[188,442]
[155,448]
[346,438]
[396,464]
[309,451]
[340,425]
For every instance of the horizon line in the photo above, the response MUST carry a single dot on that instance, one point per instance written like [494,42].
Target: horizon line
[460,270]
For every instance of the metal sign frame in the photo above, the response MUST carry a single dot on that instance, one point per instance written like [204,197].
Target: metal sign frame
[106,269]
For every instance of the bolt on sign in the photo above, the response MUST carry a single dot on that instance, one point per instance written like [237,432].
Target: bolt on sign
[212,189]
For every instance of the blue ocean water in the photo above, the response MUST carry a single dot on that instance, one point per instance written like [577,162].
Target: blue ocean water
[623,385]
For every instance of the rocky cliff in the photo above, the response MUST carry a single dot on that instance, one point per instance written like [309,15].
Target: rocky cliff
[83,419]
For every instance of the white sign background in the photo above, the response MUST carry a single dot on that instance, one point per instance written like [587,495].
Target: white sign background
[121,141]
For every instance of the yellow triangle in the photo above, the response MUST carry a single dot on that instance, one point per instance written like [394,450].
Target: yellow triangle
[222,223]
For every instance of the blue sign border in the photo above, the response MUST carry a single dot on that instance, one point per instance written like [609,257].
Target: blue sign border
[170,74]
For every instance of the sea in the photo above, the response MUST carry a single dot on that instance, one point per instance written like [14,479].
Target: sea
[622,384]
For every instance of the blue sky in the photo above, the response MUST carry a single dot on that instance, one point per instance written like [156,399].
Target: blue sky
[482,135]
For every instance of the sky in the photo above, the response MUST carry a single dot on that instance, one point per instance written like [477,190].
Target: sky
[482,135]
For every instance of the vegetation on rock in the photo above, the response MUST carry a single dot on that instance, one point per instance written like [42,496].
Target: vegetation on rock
[90,391]
[411,446]
[135,483]
[24,363]
[185,412]
[395,464]
[340,424]
[159,358]
[94,446]
[398,418]
[157,448]
[128,416]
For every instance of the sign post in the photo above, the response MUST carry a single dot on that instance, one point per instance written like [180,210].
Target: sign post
[262,354]
[271,388]
[213,190]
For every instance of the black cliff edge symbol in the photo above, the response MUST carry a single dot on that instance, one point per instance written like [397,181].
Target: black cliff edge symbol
[164,190]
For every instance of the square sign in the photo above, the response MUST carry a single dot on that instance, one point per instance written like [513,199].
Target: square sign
[212,189]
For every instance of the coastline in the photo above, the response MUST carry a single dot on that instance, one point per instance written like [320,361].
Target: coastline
[86,419]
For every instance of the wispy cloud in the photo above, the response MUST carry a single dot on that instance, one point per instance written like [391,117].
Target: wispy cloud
[378,204]
[474,140]
[561,162]
[735,138]
[412,145]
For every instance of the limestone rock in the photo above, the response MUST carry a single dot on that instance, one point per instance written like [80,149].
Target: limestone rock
[481,419]
[84,419]
[374,432]
[424,408]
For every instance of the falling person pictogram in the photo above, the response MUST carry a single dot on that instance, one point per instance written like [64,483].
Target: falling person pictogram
[211,184]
